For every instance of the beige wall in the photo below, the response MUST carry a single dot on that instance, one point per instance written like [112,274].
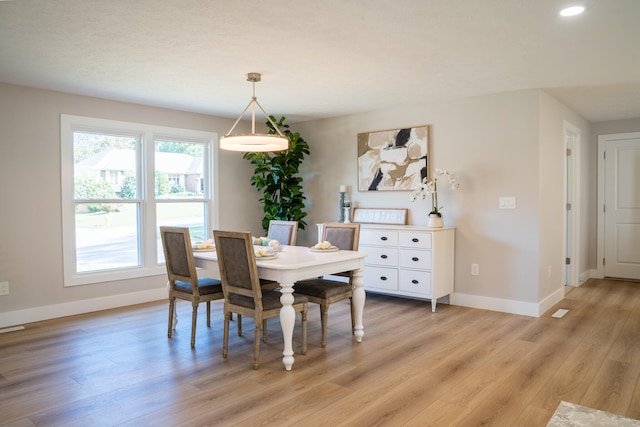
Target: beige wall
[30,216]
[501,145]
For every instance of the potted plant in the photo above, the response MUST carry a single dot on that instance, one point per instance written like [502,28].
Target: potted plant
[430,187]
[276,176]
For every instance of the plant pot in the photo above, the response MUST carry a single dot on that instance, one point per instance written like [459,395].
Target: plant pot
[435,221]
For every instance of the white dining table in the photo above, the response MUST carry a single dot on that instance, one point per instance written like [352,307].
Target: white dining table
[295,263]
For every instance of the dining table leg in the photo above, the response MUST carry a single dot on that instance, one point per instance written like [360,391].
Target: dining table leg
[287,321]
[359,297]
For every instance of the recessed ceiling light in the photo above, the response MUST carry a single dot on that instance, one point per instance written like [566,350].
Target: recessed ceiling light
[572,11]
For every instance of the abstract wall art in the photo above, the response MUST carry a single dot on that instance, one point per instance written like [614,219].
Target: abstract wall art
[392,160]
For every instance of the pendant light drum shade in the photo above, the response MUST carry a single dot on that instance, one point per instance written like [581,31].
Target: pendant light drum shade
[254,142]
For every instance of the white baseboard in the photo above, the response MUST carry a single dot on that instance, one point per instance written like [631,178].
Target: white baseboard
[36,314]
[594,274]
[508,306]
[550,301]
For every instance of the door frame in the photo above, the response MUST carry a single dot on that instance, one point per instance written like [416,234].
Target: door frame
[572,138]
[602,145]
[602,140]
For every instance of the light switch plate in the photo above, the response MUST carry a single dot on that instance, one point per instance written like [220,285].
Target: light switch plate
[507,203]
[475,269]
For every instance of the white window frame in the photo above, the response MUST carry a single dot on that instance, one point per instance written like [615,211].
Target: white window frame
[147,134]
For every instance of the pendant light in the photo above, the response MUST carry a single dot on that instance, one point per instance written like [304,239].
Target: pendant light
[254,142]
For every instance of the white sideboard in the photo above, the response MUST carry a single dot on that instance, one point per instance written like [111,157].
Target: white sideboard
[409,261]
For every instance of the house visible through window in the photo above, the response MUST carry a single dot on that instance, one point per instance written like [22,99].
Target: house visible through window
[121,182]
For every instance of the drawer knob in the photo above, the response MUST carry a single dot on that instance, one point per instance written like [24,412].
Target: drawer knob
[415,240]
[384,256]
[415,258]
[414,281]
[383,278]
[383,238]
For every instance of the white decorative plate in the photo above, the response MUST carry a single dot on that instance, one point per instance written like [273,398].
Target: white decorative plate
[331,249]
[266,257]
[204,249]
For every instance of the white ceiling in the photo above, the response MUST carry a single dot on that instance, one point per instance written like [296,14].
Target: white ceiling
[325,58]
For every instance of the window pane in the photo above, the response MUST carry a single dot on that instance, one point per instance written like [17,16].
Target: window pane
[106,236]
[105,166]
[111,203]
[190,215]
[178,169]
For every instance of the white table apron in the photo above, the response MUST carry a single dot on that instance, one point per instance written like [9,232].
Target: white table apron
[297,263]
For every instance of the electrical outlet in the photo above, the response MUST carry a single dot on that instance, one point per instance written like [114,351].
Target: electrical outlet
[475,269]
[4,288]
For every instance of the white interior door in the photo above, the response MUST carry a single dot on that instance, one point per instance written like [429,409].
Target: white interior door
[621,211]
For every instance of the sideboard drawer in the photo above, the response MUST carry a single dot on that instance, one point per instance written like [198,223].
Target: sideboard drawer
[381,256]
[381,278]
[415,240]
[416,282]
[379,237]
[413,258]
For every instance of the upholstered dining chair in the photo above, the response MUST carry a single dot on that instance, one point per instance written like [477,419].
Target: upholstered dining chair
[184,283]
[324,291]
[285,232]
[242,292]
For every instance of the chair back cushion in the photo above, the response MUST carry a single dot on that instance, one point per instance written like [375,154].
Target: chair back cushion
[344,236]
[179,261]
[285,232]
[237,263]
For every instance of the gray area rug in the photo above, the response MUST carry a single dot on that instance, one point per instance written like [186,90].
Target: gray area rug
[572,415]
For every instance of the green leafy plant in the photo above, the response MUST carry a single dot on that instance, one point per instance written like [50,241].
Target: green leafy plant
[92,187]
[276,176]
[128,189]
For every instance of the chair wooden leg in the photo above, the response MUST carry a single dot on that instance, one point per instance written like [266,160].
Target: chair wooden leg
[209,314]
[225,340]
[172,304]
[256,344]
[264,330]
[353,317]
[239,325]
[324,313]
[304,329]
[194,319]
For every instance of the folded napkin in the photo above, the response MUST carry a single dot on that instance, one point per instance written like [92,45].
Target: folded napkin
[261,241]
[264,241]
[275,246]
[323,245]
[204,245]
[263,253]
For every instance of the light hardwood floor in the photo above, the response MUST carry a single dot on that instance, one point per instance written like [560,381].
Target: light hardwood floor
[455,367]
